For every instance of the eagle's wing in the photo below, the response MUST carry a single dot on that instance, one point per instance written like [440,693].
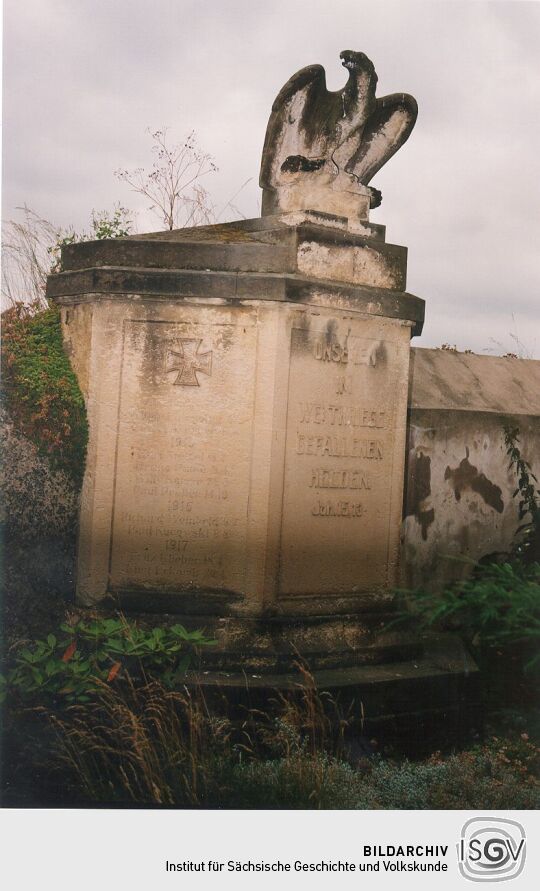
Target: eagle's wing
[314,79]
[384,133]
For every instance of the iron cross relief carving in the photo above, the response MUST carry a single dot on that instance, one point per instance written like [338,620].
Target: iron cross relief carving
[188,362]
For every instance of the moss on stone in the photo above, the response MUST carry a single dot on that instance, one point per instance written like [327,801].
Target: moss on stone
[40,390]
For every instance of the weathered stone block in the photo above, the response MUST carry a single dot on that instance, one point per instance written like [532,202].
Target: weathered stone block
[247,428]
[256,450]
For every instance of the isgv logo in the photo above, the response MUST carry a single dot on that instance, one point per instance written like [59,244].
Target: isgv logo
[491,849]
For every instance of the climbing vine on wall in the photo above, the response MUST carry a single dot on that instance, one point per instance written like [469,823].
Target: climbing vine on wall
[39,389]
[527,539]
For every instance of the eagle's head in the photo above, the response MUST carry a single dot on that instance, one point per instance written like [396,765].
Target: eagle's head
[357,62]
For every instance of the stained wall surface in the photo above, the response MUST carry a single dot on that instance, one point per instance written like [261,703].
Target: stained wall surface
[459,488]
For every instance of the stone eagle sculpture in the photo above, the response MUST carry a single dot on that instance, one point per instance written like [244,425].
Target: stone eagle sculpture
[322,148]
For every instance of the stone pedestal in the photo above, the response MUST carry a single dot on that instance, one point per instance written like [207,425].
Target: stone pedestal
[246,387]
[247,399]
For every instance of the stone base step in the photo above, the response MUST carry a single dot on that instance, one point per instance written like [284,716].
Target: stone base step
[437,693]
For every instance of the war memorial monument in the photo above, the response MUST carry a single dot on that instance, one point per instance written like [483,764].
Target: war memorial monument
[247,391]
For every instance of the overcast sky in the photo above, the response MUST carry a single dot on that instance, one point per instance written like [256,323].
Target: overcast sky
[83,79]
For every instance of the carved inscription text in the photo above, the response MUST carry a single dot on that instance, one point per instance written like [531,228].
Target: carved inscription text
[340,464]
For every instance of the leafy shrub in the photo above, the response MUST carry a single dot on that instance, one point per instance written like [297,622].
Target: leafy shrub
[83,657]
[39,388]
[499,604]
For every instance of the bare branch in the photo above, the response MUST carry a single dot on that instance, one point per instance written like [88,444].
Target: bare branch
[172,184]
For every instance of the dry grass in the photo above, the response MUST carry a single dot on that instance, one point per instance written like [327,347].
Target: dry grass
[309,716]
[147,746]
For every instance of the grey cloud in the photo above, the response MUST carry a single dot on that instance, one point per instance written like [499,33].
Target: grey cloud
[84,78]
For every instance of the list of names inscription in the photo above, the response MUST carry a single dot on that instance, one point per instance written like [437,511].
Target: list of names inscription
[182,475]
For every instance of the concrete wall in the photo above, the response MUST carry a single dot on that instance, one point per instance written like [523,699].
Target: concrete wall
[458,493]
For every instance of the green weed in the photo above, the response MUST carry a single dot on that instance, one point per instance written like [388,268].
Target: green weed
[79,659]
[39,388]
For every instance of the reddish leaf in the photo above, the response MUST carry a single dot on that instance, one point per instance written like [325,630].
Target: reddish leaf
[69,652]
[114,671]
